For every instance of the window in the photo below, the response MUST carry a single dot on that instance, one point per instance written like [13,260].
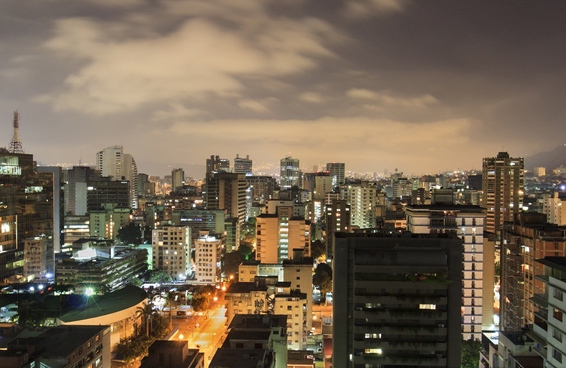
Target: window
[556,355]
[557,334]
[557,294]
[427,306]
[557,314]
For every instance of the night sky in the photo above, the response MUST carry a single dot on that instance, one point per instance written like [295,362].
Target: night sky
[422,86]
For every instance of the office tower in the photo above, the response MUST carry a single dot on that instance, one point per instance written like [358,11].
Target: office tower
[172,251]
[524,241]
[338,172]
[279,234]
[554,207]
[290,174]
[114,163]
[262,188]
[199,220]
[26,212]
[146,188]
[323,183]
[58,204]
[466,222]
[243,165]
[396,301]
[502,185]
[101,191]
[402,187]
[177,179]
[361,199]
[337,221]
[105,222]
[216,164]
[76,180]
[208,254]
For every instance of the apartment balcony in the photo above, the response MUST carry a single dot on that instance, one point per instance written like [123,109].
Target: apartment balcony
[393,359]
[425,346]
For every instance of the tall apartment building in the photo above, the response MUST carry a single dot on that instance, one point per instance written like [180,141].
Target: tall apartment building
[502,185]
[103,190]
[76,180]
[298,272]
[208,253]
[524,241]
[290,173]
[278,234]
[171,246]
[362,201]
[337,221]
[104,223]
[227,191]
[177,179]
[323,183]
[262,188]
[293,303]
[114,163]
[338,172]
[397,301]
[243,165]
[467,223]
[217,164]
[554,207]
[26,209]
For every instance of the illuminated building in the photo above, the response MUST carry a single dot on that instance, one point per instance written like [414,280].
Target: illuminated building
[290,173]
[338,172]
[467,223]
[177,179]
[76,180]
[337,220]
[554,208]
[396,301]
[502,185]
[104,223]
[102,191]
[362,201]
[208,254]
[216,164]
[243,165]
[114,163]
[172,251]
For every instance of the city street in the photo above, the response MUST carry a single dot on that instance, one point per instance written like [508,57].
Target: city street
[205,332]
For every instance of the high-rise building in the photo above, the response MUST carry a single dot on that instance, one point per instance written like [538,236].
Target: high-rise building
[337,221]
[26,212]
[58,204]
[396,301]
[208,253]
[338,172]
[76,180]
[502,185]
[172,251]
[362,201]
[114,163]
[467,223]
[262,188]
[243,165]
[177,179]
[216,164]
[102,191]
[290,173]
[554,207]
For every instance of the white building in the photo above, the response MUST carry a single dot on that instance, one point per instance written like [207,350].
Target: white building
[293,303]
[113,162]
[362,200]
[554,208]
[208,251]
[467,222]
[35,258]
[172,251]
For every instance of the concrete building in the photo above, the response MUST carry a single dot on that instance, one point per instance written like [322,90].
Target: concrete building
[467,223]
[278,234]
[35,258]
[290,173]
[215,164]
[245,298]
[362,201]
[58,204]
[103,190]
[323,183]
[338,172]
[172,251]
[75,228]
[208,254]
[337,220]
[554,207]
[397,301]
[172,354]
[114,163]
[76,180]
[298,272]
[200,220]
[104,223]
[243,165]
[502,185]
[293,304]
[540,171]
[262,188]
[60,347]
[524,241]
[177,179]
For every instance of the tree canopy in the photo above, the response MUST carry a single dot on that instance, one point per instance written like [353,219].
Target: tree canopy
[318,249]
[322,278]
[470,353]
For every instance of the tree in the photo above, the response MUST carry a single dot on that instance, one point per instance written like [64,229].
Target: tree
[130,234]
[232,261]
[318,249]
[245,249]
[470,353]
[323,279]
[159,276]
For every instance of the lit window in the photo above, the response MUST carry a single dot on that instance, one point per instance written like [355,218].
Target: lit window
[427,306]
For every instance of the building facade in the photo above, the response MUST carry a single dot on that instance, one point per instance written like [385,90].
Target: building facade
[208,254]
[114,163]
[338,172]
[290,173]
[172,251]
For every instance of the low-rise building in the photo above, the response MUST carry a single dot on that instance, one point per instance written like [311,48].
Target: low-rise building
[172,354]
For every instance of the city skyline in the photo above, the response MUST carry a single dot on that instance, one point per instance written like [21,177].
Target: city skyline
[424,87]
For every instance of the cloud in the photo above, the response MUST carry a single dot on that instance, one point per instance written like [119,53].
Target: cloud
[312,97]
[202,56]
[386,99]
[175,112]
[253,105]
[367,8]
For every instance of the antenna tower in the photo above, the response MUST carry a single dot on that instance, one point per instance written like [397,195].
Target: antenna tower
[16,143]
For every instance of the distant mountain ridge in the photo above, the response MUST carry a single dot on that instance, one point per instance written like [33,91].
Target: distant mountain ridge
[550,160]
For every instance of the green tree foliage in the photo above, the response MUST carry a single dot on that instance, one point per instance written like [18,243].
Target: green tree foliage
[135,281]
[245,249]
[159,276]
[232,261]
[323,279]
[130,234]
[470,353]
[318,249]
[200,302]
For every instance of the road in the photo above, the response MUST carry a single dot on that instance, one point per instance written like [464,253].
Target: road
[206,332]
